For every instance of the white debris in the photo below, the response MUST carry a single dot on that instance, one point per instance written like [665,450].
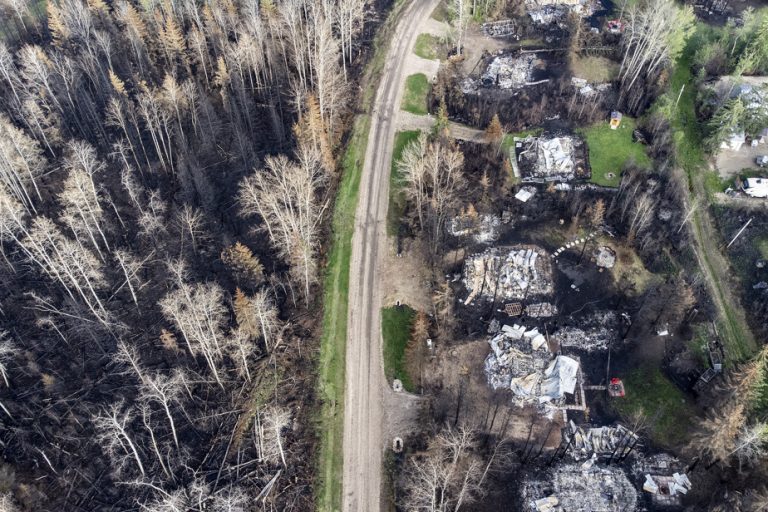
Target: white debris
[559,378]
[514,273]
[541,310]
[483,228]
[552,158]
[511,72]
[605,257]
[524,194]
[650,486]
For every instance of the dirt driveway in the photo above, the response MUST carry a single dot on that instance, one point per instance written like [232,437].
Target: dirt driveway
[730,163]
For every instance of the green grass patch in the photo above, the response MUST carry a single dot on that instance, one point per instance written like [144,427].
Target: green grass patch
[397,198]
[334,337]
[441,13]
[698,345]
[668,413]
[396,323]
[713,183]
[610,149]
[594,69]
[427,46]
[415,94]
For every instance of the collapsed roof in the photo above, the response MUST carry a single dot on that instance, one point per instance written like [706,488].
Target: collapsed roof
[551,158]
[520,360]
[515,273]
[545,12]
[595,332]
[482,228]
[585,442]
[572,488]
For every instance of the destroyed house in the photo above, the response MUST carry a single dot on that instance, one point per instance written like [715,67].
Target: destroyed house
[515,273]
[571,487]
[551,158]
[520,361]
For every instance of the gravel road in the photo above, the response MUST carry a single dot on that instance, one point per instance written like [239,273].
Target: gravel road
[364,414]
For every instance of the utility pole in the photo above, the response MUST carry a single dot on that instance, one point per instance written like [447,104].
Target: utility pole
[740,231]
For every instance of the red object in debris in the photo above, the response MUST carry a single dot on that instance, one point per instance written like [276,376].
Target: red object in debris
[615,26]
[616,388]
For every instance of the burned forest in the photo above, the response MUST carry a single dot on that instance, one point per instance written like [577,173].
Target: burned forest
[166,171]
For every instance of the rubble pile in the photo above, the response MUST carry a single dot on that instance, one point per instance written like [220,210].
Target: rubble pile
[605,257]
[665,481]
[596,333]
[482,228]
[599,442]
[520,360]
[570,488]
[560,158]
[515,354]
[541,310]
[587,89]
[516,273]
[546,12]
[510,72]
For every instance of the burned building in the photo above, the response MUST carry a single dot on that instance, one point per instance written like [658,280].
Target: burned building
[520,360]
[517,273]
[594,332]
[572,487]
[482,228]
[550,158]
[546,12]
[509,72]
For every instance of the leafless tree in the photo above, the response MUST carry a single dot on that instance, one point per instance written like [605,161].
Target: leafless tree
[447,476]
[21,163]
[284,195]
[8,350]
[113,433]
[198,313]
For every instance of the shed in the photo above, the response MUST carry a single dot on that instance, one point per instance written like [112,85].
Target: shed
[615,119]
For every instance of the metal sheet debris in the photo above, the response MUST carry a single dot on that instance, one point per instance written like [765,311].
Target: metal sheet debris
[594,332]
[482,228]
[517,273]
[574,489]
[551,158]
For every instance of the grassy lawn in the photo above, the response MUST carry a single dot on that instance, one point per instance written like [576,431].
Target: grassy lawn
[415,95]
[441,13]
[396,195]
[668,413]
[594,69]
[610,149]
[427,46]
[396,325]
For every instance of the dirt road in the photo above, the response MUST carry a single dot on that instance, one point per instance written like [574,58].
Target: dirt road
[366,388]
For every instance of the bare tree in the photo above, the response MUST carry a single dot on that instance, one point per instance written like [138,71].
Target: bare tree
[283,194]
[447,476]
[8,350]
[198,313]
[113,433]
[166,391]
[21,163]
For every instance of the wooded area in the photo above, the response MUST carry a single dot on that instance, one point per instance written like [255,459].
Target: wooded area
[165,168]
